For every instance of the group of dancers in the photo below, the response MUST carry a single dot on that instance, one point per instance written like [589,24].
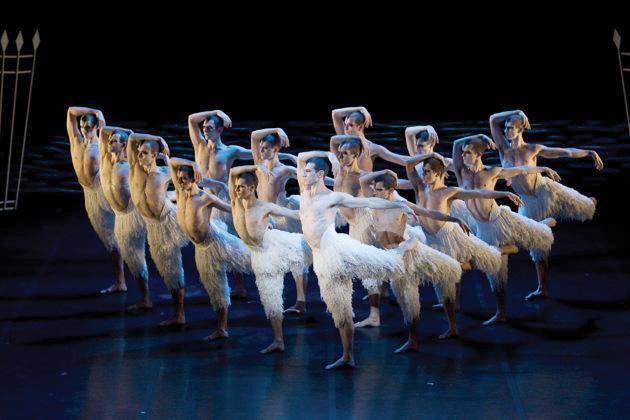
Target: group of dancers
[240,219]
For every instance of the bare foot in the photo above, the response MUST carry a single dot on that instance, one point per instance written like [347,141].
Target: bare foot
[174,320]
[409,346]
[276,346]
[218,334]
[549,221]
[298,309]
[449,334]
[537,294]
[496,319]
[370,321]
[114,288]
[341,363]
[145,305]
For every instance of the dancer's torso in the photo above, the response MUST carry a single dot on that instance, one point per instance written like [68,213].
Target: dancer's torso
[250,222]
[115,184]
[316,214]
[193,216]
[215,163]
[271,187]
[434,200]
[482,180]
[148,191]
[523,156]
[85,161]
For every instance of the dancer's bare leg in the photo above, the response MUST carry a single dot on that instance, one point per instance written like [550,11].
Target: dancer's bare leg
[239,292]
[412,340]
[179,318]
[346,331]
[301,282]
[145,303]
[499,295]
[541,272]
[278,340]
[449,310]
[374,318]
[458,290]
[221,331]
[119,274]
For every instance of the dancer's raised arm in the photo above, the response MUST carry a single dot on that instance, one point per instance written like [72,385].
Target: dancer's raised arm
[340,114]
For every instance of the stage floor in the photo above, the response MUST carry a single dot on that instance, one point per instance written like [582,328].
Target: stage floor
[68,352]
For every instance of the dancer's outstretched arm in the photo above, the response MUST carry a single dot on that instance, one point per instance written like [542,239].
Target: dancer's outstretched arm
[437,215]
[276,210]
[462,194]
[505,173]
[209,199]
[569,152]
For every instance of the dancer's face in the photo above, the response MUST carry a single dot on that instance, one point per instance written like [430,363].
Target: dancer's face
[346,155]
[511,131]
[352,127]
[243,191]
[424,146]
[115,144]
[429,176]
[470,156]
[310,175]
[88,129]
[381,191]
[146,157]
[211,131]
[267,151]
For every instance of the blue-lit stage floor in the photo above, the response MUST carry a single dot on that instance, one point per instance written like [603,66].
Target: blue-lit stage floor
[65,351]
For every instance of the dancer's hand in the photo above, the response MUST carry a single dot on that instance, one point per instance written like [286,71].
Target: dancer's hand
[284,139]
[164,147]
[197,171]
[599,164]
[515,199]
[552,174]
[368,118]
[440,158]
[101,119]
[524,119]
[227,122]
[464,226]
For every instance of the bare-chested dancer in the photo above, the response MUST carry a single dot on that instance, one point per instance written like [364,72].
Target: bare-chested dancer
[337,258]
[274,252]
[82,125]
[423,264]
[272,176]
[353,121]
[149,183]
[432,193]
[542,197]
[216,250]
[498,225]
[215,160]
[129,227]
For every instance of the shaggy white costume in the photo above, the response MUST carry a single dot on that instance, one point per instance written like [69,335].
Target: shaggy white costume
[166,240]
[339,260]
[552,199]
[505,227]
[281,252]
[100,214]
[361,228]
[424,265]
[131,235]
[286,223]
[218,253]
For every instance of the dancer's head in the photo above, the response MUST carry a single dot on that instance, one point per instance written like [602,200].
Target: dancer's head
[269,146]
[213,127]
[186,177]
[148,152]
[513,129]
[315,171]
[117,141]
[245,185]
[354,124]
[472,152]
[425,142]
[349,151]
[88,123]
[384,185]
[433,170]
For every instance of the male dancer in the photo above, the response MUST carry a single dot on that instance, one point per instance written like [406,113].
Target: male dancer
[216,250]
[498,225]
[274,252]
[542,197]
[149,183]
[129,228]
